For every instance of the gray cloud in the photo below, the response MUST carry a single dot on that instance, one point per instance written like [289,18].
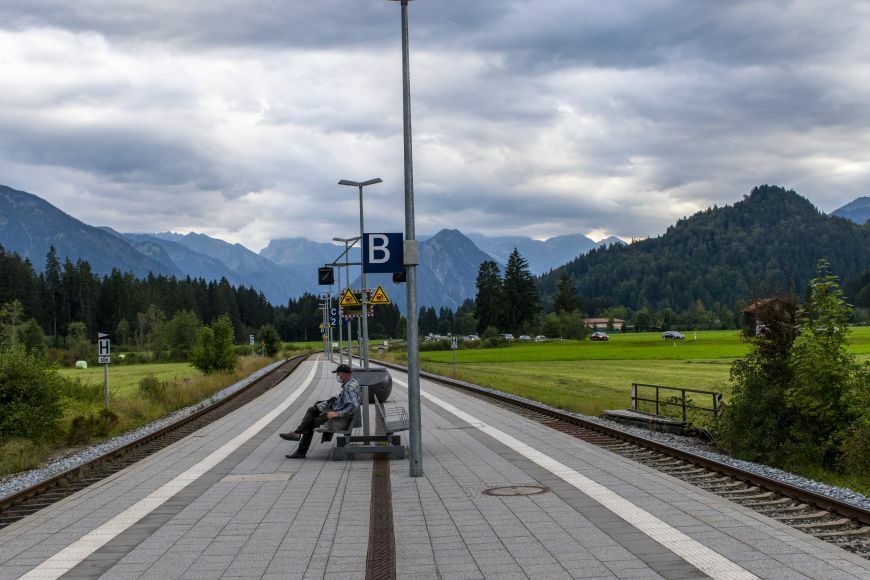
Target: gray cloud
[237,118]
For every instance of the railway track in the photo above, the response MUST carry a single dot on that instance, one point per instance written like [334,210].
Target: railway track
[826,518]
[54,489]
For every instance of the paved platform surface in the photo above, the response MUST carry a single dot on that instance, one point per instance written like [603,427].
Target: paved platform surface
[225,503]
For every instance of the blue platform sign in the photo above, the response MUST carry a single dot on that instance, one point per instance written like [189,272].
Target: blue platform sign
[383,253]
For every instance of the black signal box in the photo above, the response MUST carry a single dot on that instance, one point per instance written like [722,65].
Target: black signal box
[325,276]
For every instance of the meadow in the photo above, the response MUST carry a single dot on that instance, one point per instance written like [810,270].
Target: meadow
[124,380]
[590,377]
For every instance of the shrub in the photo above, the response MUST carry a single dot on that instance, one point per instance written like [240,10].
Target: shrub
[272,340]
[85,427]
[435,345]
[30,396]
[215,351]
[83,392]
[152,387]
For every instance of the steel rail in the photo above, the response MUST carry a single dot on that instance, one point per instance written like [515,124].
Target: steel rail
[68,477]
[797,493]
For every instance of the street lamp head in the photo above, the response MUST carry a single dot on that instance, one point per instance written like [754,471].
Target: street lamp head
[361,184]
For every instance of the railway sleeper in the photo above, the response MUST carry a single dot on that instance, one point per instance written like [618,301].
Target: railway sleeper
[686,471]
[802,517]
[638,454]
[668,461]
[822,525]
[721,481]
[865,531]
[777,509]
[752,489]
[773,502]
[724,483]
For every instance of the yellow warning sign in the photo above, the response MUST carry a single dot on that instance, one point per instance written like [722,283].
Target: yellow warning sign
[348,298]
[380,297]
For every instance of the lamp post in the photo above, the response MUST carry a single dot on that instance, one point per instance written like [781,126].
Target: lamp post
[347,248]
[411,259]
[364,335]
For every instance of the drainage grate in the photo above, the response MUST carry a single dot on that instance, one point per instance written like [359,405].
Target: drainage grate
[381,559]
[515,490]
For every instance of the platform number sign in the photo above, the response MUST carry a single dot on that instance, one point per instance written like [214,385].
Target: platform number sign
[382,253]
[333,316]
[104,349]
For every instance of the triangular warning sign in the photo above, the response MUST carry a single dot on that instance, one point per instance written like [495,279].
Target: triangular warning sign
[348,298]
[380,297]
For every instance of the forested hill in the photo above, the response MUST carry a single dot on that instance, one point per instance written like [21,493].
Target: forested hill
[766,243]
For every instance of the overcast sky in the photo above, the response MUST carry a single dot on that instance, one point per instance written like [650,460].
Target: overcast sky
[237,118]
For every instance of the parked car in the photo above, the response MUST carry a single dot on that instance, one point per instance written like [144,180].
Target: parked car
[672,335]
[472,337]
[507,336]
[525,338]
[540,338]
[599,336]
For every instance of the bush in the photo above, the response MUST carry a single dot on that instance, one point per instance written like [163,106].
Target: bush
[215,350]
[431,345]
[495,342]
[272,340]
[152,387]
[85,427]
[83,392]
[30,396]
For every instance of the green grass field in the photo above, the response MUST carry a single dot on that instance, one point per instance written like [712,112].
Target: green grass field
[590,377]
[124,380]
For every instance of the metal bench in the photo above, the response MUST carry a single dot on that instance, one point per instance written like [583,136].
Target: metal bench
[393,420]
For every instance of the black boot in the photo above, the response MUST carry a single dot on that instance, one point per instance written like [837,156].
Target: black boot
[303,446]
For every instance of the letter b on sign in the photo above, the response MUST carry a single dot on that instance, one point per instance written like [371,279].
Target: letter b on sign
[382,253]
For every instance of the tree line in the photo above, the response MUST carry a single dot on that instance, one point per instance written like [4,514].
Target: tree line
[67,303]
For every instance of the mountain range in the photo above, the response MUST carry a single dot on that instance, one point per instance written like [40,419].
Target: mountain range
[768,243]
[542,255]
[858,210]
[284,269]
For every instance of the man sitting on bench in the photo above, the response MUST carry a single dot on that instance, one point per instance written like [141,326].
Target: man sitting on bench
[339,410]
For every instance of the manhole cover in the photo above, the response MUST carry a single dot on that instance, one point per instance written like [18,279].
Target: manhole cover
[513,490]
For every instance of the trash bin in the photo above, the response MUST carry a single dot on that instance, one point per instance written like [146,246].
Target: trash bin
[379,382]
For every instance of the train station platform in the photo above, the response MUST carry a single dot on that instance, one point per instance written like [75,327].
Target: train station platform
[501,497]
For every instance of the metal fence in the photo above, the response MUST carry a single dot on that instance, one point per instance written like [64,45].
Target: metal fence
[671,400]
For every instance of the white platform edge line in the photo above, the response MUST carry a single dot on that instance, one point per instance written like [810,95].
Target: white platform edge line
[702,557]
[69,557]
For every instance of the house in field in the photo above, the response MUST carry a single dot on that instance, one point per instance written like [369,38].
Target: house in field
[601,323]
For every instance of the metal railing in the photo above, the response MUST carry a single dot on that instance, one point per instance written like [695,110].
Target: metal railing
[681,401]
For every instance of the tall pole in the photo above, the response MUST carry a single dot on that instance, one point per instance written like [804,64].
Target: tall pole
[364,334]
[347,283]
[415,432]
[338,318]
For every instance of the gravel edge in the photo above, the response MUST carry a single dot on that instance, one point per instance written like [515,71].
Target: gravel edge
[12,484]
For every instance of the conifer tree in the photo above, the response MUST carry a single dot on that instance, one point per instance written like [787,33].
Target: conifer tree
[566,295]
[488,303]
[521,299]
